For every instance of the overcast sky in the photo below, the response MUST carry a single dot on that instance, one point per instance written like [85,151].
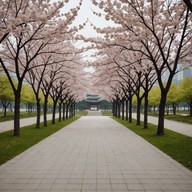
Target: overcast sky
[86,13]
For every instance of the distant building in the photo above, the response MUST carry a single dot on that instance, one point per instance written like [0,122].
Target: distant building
[93,101]
[184,70]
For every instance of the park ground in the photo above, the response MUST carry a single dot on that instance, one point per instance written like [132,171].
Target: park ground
[94,153]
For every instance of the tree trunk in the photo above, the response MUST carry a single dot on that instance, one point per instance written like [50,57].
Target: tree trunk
[167,109]
[123,115]
[5,110]
[119,109]
[73,109]
[113,110]
[54,110]
[190,111]
[67,111]
[60,112]
[160,128]
[174,109]
[154,109]
[126,110]
[116,109]
[17,114]
[146,110]
[138,111]
[45,111]
[130,109]
[38,112]
[63,111]
[70,110]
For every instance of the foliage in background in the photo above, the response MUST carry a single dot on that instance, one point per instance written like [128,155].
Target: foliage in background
[186,92]
[6,93]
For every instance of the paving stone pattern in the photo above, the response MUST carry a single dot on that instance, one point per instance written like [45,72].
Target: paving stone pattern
[94,154]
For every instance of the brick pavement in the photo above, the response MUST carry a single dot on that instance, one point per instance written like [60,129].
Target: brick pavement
[94,154]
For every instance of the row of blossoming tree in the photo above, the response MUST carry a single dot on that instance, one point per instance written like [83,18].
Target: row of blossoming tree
[149,38]
[36,47]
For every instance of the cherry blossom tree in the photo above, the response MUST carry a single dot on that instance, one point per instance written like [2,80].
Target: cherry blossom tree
[163,28]
[25,23]
[57,53]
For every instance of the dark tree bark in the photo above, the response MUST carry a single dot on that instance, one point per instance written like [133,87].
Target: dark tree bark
[174,108]
[138,111]
[5,102]
[119,109]
[146,103]
[130,108]
[64,112]
[146,111]
[190,109]
[123,109]
[17,113]
[189,4]
[60,111]
[54,111]
[38,112]
[45,110]
[116,109]
[74,109]
[5,111]
[126,109]
[154,109]
[67,111]
[160,128]
[167,106]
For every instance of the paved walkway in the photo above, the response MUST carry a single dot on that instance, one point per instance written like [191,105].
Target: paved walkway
[183,128]
[94,113]
[94,154]
[8,125]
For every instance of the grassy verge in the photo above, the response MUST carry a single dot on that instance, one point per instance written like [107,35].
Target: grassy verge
[177,117]
[10,115]
[81,113]
[106,113]
[11,146]
[176,145]
[185,119]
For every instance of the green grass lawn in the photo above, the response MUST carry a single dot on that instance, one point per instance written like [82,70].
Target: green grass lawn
[185,119]
[177,117]
[106,113]
[24,114]
[81,113]
[11,146]
[176,145]
[10,115]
